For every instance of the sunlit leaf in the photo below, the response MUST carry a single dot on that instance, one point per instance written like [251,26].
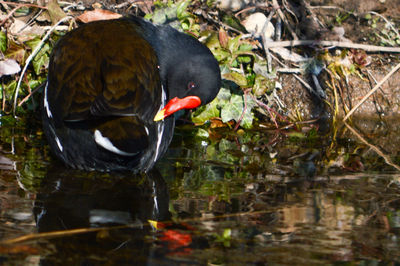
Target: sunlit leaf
[238,78]
[232,21]
[205,113]
[181,9]
[233,44]
[41,60]
[16,52]
[224,94]
[234,110]
[3,42]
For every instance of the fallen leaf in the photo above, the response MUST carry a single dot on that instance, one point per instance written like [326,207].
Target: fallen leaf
[9,67]
[223,38]
[97,14]
[55,11]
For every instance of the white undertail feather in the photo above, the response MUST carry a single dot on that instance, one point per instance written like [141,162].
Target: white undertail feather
[108,145]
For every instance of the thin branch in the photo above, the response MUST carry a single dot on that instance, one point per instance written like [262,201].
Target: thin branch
[376,149]
[30,58]
[22,4]
[366,47]
[282,16]
[377,86]
[387,22]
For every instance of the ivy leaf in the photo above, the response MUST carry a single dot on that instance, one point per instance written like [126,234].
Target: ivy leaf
[233,44]
[41,60]
[202,133]
[221,55]
[16,52]
[205,113]
[3,42]
[224,94]
[245,47]
[181,9]
[238,78]
[234,110]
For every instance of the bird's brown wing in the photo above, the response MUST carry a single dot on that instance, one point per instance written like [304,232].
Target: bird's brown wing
[104,69]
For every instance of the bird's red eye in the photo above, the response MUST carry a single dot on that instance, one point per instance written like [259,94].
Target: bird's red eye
[191,85]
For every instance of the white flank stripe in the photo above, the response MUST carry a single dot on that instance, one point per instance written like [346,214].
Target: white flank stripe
[107,144]
[46,104]
[59,143]
[160,125]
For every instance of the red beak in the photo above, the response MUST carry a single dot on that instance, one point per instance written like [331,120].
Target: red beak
[177,104]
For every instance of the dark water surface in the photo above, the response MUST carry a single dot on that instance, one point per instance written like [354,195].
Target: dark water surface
[287,197]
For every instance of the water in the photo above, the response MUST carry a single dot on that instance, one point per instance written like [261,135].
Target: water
[286,197]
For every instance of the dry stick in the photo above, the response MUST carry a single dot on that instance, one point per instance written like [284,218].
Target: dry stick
[22,4]
[377,86]
[52,234]
[366,47]
[10,14]
[376,149]
[18,6]
[31,56]
[60,233]
[282,16]
[387,22]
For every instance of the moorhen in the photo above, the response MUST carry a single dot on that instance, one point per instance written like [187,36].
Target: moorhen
[113,87]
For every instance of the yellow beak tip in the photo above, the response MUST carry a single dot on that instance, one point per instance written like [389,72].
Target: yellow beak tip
[159,116]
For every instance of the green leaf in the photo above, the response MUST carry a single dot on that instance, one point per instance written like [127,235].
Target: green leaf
[234,110]
[221,54]
[3,42]
[41,60]
[225,145]
[181,9]
[238,78]
[202,133]
[205,113]
[262,85]
[16,52]
[244,59]
[224,94]
[245,47]
[159,16]
[232,21]
[233,44]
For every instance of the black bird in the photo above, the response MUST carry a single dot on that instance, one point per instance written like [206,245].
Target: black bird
[112,89]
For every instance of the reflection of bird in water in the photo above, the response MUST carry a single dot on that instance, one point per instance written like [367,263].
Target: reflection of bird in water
[73,199]
[113,87]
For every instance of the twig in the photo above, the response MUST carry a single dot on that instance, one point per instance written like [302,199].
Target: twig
[366,47]
[22,4]
[31,56]
[244,110]
[9,15]
[376,149]
[377,86]
[60,233]
[387,21]
[52,234]
[282,16]
[18,6]
[29,95]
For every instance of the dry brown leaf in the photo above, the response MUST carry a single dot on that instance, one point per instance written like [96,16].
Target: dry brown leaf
[97,14]
[223,38]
